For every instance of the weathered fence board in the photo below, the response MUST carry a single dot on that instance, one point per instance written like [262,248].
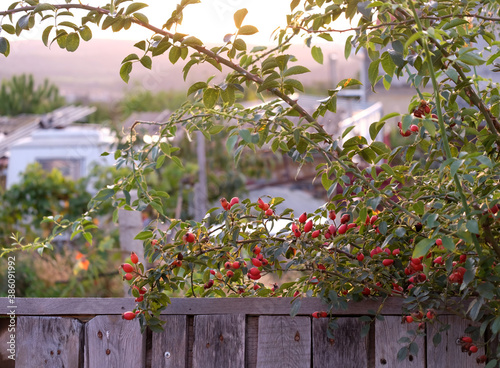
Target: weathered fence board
[449,350]
[284,341]
[387,333]
[348,349]
[170,346]
[111,341]
[219,341]
[251,341]
[53,342]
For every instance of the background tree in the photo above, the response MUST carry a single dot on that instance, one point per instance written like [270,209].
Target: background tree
[20,95]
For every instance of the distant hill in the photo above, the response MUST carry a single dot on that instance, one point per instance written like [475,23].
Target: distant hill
[93,70]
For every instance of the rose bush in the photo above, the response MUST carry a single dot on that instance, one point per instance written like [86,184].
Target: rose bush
[419,221]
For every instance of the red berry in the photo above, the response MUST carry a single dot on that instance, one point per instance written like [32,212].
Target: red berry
[373,219]
[416,261]
[466,339]
[321,267]
[494,209]
[236,265]
[427,109]
[256,250]
[366,291]
[430,314]
[439,242]
[315,314]
[228,265]
[400,125]
[473,349]
[234,200]
[261,203]
[308,226]
[328,235]
[128,316]
[345,218]
[323,314]
[314,280]
[414,128]
[387,262]
[351,225]
[189,238]
[139,299]
[438,260]
[154,242]
[463,258]
[127,267]
[360,257]
[269,212]
[315,234]
[396,251]
[332,229]
[128,276]
[134,258]
[409,319]
[256,286]
[303,218]
[224,203]
[230,274]
[388,251]
[342,229]
[254,271]
[256,262]
[332,215]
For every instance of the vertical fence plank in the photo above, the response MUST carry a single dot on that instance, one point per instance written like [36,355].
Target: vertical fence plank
[347,350]
[219,341]
[251,341]
[111,341]
[170,346]
[448,350]
[284,341]
[387,333]
[48,342]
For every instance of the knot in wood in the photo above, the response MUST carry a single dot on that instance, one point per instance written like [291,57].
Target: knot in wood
[108,351]
[221,338]
[331,341]
[208,345]
[297,336]
[99,334]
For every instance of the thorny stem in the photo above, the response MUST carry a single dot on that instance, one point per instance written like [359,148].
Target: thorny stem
[442,128]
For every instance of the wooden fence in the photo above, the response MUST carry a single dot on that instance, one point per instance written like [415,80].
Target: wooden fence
[217,333]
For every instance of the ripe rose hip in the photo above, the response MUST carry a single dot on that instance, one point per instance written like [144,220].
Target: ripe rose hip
[134,258]
[139,299]
[236,265]
[230,274]
[154,242]
[189,238]
[315,314]
[439,242]
[332,229]
[414,128]
[323,314]
[387,262]
[269,212]
[388,251]
[315,234]
[228,265]
[303,218]
[360,257]
[473,349]
[212,272]
[234,200]
[261,203]
[308,226]
[373,219]
[405,134]
[256,250]
[438,260]
[128,316]
[396,251]
[466,339]
[332,215]
[463,258]
[430,314]
[265,262]
[128,276]
[224,203]
[345,218]
[409,319]
[366,291]
[256,287]
[127,267]
[342,229]
[256,262]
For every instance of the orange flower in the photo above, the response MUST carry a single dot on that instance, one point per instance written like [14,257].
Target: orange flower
[79,255]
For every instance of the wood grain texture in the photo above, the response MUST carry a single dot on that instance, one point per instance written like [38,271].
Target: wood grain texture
[284,342]
[387,333]
[219,341]
[188,306]
[347,350]
[251,341]
[448,353]
[112,342]
[53,342]
[170,346]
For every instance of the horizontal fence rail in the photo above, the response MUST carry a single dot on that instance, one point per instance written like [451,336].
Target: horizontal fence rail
[218,333]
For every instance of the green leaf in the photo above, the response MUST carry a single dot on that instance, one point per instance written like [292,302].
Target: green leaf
[472,226]
[430,126]
[43,6]
[210,96]
[143,235]
[192,41]
[72,42]
[9,29]
[423,247]
[174,54]
[448,243]
[373,72]
[104,194]
[146,62]
[85,33]
[239,16]
[453,23]
[132,8]
[348,47]
[141,17]
[4,46]
[246,135]
[436,339]
[125,71]
[196,87]
[317,54]
[247,30]
[412,39]
[297,69]
[295,307]
[375,128]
